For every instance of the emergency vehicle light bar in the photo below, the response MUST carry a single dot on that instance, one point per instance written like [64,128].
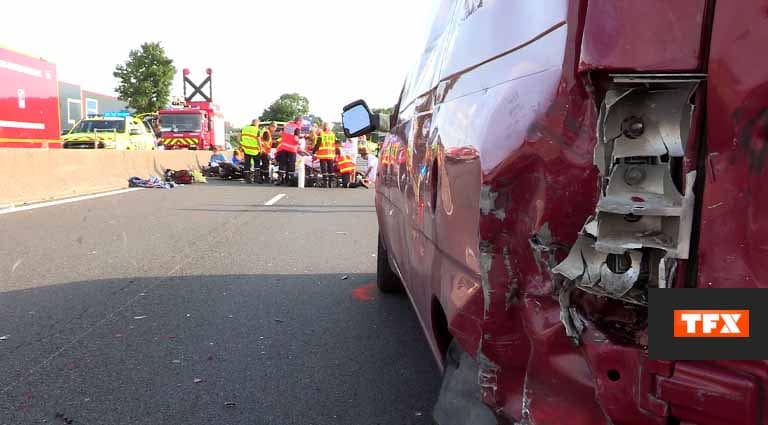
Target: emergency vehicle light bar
[117,114]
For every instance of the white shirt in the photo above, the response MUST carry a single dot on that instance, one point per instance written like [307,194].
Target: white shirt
[350,148]
[373,165]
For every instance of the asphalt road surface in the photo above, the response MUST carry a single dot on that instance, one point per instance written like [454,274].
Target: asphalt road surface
[203,305]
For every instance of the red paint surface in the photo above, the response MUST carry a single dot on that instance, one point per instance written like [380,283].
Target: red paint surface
[527,120]
[365,292]
[28,94]
[654,36]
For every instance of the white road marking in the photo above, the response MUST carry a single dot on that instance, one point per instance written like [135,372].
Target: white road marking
[23,124]
[275,200]
[65,201]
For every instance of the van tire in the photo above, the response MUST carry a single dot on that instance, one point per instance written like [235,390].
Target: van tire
[386,279]
[460,401]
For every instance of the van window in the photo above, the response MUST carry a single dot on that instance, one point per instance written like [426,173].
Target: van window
[485,29]
[441,11]
[425,75]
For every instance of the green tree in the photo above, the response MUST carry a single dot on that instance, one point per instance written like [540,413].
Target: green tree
[144,80]
[387,111]
[286,108]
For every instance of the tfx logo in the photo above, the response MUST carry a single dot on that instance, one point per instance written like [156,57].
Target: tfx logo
[711,323]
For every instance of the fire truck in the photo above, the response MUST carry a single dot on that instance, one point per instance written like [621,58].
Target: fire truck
[29,102]
[192,124]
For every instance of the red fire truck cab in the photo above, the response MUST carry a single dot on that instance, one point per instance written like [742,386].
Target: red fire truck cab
[29,102]
[195,125]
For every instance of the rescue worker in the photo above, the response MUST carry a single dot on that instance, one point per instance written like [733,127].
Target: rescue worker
[249,141]
[371,146]
[346,167]
[324,152]
[287,150]
[266,146]
[312,137]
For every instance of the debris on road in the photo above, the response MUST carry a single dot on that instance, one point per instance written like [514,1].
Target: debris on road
[64,419]
[151,183]
[139,317]
[230,404]
[177,361]
[279,320]
[4,337]
[345,277]
[197,380]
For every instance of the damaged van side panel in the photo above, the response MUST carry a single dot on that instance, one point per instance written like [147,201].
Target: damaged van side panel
[734,228]
[500,167]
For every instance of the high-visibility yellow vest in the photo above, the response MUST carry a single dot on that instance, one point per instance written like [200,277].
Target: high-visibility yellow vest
[327,148]
[249,140]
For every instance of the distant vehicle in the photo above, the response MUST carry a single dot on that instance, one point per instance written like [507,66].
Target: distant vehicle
[191,124]
[118,131]
[196,126]
[549,164]
[29,102]
[151,122]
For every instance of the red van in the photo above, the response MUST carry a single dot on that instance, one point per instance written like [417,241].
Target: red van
[550,161]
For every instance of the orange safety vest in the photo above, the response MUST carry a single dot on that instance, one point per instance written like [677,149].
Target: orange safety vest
[346,165]
[289,142]
[266,146]
[327,150]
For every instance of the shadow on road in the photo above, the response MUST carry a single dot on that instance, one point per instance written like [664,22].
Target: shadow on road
[255,349]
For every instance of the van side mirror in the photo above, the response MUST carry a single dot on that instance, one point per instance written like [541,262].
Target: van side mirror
[358,120]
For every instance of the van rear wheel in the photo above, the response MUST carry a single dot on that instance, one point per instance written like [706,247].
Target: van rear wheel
[460,401]
[386,278]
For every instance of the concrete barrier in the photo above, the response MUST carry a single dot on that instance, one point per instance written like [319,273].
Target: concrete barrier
[34,175]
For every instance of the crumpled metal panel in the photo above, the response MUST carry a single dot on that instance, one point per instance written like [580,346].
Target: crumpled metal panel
[642,128]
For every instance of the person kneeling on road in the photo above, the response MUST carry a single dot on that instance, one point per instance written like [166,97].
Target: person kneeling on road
[215,162]
[347,170]
[234,169]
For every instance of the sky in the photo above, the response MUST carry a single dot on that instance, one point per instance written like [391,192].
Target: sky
[331,51]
